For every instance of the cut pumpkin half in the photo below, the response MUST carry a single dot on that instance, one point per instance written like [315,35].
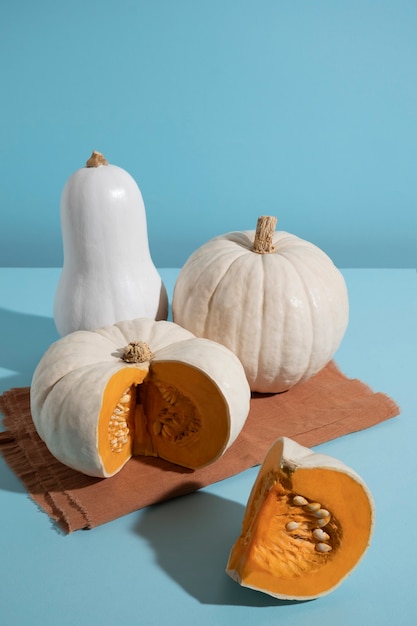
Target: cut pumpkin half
[100,397]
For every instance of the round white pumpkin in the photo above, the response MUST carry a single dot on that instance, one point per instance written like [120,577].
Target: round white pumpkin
[184,399]
[282,309]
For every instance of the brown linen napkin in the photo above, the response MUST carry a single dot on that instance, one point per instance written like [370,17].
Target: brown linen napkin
[325,407]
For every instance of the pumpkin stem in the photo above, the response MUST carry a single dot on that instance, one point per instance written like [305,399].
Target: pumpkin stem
[265,229]
[137,352]
[96,159]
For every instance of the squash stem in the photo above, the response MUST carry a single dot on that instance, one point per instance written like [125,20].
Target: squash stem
[96,159]
[137,352]
[264,234]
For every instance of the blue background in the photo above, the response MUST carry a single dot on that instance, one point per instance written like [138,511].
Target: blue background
[222,110]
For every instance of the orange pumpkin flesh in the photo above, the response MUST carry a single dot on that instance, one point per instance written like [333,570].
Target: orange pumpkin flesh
[173,411]
[123,381]
[187,416]
[290,552]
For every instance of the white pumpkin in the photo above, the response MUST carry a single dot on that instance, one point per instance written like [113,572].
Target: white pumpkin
[139,387]
[108,274]
[277,301]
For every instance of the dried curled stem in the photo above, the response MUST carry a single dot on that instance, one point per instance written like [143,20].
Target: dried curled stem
[264,234]
[96,159]
[137,352]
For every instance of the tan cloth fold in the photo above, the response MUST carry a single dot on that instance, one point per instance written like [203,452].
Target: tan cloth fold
[326,407]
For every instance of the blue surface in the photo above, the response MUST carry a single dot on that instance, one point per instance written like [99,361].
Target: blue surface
[222,111]
[165,564]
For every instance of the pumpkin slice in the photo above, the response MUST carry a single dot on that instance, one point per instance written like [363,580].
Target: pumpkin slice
[308,522]
[98,399]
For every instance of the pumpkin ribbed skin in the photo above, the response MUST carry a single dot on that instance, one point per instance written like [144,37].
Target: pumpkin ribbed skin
[283,313]
[81,378]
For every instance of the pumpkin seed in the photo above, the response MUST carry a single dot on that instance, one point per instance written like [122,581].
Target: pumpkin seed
[320,534]
[157,427]
[323,547]
[313,506]
[299,501]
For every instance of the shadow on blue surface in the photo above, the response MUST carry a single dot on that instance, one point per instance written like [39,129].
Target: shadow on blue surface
[8,480]
[192,540]
[23,340]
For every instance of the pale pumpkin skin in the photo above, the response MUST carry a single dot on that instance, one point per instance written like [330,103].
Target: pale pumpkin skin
[108,274]
[287,562]
[283,313]
[82,374]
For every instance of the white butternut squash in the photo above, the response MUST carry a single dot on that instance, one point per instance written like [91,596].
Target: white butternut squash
[108,274]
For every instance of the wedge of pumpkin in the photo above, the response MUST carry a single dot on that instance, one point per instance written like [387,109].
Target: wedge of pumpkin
[139,387]
[307,524]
